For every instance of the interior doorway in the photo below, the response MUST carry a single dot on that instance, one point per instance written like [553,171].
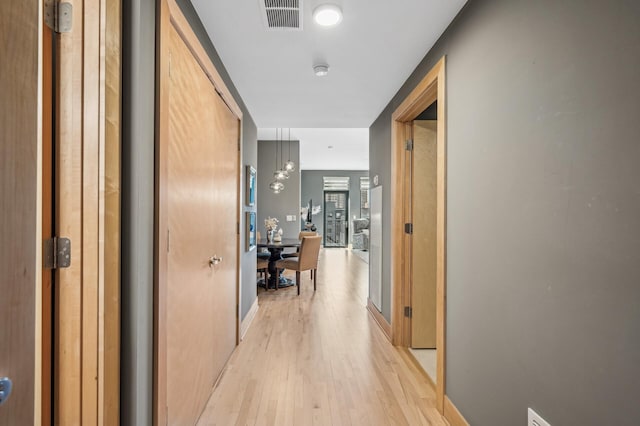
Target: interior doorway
[418,223]
[336,218]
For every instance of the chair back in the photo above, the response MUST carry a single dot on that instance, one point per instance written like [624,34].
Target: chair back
[309,250]
[303,234]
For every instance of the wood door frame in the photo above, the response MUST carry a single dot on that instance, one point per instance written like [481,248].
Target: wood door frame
[87,174]
[430,89]
[170,16]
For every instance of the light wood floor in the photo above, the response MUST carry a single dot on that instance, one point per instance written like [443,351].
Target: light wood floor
[320,359]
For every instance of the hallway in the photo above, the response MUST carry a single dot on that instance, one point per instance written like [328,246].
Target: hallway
[320,359]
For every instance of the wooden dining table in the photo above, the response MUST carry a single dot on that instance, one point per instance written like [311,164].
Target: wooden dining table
[275,250]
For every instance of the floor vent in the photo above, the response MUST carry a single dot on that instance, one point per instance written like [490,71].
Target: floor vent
[282,14]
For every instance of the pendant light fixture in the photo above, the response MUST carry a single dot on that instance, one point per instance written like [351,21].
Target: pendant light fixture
[276,186]
[280,173]
[289,166]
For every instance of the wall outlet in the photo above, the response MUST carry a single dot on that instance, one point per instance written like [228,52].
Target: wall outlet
[534,419]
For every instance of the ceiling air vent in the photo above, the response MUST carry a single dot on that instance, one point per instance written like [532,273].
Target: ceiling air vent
[282,14]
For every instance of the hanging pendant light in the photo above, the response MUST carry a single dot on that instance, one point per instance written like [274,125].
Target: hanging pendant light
[276,186]
[280,173]
[289,166]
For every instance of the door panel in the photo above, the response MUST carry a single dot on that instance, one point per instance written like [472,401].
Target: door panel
[423,254]
[20,192]
[202,172]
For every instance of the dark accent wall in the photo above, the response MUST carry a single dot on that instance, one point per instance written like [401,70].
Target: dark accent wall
[285,203]
[312,188]
[543,212]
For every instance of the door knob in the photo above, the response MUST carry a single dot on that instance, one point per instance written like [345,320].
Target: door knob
[5,389]
[214,260]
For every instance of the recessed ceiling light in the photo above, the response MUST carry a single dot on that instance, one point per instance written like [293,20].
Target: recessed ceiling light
[327,15]
[321,70]
[330,146]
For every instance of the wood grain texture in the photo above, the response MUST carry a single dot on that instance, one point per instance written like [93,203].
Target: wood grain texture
[160,241]
[320,358]
[202,185]
[181,25]
[88,183]
[109,393]
[20,194]
[431,88]
[69,189]
[451,413]
[228,121]
[46,319]
[423,244]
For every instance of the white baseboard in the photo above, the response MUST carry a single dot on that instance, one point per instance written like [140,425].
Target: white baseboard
[248,319]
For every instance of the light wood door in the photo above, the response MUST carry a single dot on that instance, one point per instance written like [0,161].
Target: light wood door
[202,172]
[20,191]
[423,247]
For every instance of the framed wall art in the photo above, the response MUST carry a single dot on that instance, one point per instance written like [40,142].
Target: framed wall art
[250,231]
[251,186]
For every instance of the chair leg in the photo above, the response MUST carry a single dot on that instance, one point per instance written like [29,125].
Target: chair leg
[315,275]
[298,281]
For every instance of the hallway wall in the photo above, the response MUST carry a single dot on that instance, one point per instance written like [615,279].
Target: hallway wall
[543,213]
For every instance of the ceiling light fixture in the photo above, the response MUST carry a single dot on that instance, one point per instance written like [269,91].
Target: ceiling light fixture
[321,70]
[327,15]
[276,186]
[289,166]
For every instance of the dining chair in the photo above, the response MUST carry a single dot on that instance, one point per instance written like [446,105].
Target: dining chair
[263,268]
[301,235]
[307,260]
[262,253]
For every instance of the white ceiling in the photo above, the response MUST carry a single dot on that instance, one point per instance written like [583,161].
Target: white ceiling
[370,54]
[349,147]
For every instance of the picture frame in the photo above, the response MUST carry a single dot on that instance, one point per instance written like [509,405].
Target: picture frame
[250,230]
[250,192]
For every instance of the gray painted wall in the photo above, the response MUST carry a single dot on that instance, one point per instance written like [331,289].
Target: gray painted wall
[138,202]
[312,187]
[543,213]
[285,203]
[138,90]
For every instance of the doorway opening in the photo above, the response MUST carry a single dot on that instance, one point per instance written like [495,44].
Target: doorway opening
[336,218]
[418,225]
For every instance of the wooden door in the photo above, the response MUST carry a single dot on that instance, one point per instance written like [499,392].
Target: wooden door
[423,247]
[20,195]
[202,188]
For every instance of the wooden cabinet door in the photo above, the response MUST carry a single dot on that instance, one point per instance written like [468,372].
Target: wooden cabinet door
[202,173]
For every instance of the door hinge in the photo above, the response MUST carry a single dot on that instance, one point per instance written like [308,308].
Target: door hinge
[408,228]
[408,145]
[408,311]
[58,16]
[57,253]
[238,228]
